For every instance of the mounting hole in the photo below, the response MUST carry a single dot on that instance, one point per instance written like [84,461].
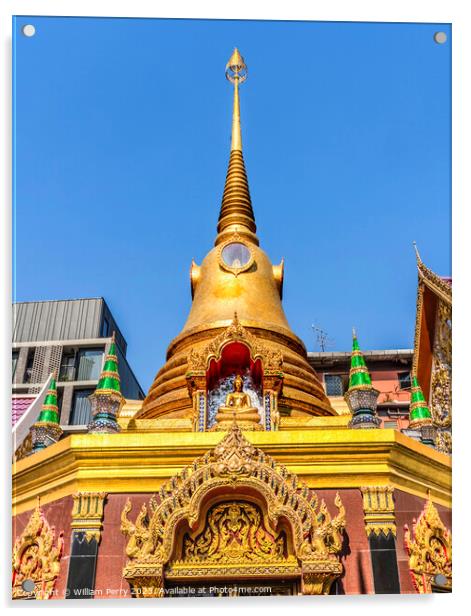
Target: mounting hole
[28,585]
[439,37]
[28,30]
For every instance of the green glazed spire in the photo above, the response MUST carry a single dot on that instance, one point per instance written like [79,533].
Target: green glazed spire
[419,412]
[359,375]
[50,410]
[109,378]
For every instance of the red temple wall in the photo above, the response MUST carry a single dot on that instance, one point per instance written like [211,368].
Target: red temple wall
[355,556]
[358,576]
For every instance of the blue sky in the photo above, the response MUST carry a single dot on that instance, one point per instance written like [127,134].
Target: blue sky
[122,134]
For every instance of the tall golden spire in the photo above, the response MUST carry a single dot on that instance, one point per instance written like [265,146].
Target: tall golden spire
[220,288]
[236,213]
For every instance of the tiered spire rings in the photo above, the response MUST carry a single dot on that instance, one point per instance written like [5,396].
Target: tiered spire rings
[236,213]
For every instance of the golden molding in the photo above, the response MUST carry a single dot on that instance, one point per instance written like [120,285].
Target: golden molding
[378,507]
[87,514]
[36,559]
[138,461]
[429,549]
[234,465]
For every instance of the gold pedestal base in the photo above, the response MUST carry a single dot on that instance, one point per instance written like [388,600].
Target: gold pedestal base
[248,420]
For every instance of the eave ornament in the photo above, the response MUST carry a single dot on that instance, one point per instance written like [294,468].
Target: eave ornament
[214,499]
[36,559]
[429,549]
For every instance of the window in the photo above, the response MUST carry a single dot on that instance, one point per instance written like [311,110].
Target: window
[14,361]
[67,371]
[29,366]
[60,396]
[404,380]
[81,407]
[336,384]
[89,364]
[105,328]
[235,255]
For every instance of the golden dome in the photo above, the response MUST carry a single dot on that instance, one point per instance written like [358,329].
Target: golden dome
[236,276]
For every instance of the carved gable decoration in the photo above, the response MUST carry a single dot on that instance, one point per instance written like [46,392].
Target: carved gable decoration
[439,374]
[429,549]
[235,535]
[234,467]
[36,559]
[272,359]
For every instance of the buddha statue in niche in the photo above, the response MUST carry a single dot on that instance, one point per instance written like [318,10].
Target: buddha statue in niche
[238,408]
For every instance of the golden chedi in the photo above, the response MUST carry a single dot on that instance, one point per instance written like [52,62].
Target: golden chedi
[236,276]
[238,409]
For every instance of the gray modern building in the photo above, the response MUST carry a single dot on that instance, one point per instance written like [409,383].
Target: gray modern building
[72,337]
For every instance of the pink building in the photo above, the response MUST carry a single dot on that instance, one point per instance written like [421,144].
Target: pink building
[390,374]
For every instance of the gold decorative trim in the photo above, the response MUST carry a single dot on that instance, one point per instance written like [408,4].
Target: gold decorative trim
[378,507]
[235,464]
[436,284]
[439,287]
[418,325]
[429,549]
[87,514]
[36,559]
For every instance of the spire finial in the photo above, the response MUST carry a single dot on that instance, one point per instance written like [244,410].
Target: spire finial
[354,333]
[417,254]
[236,73]
[236,209]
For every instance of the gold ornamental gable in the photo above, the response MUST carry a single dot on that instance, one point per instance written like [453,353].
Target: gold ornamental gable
[429,549]
[36,559]
[237,473]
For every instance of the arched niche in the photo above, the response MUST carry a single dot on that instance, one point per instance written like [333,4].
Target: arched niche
[234,351]
[235,359]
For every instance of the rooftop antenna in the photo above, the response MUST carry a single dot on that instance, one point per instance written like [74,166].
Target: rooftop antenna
[322,339]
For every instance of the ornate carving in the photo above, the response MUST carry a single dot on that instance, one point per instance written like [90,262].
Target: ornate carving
[272,359]
[235,533]
[441,378]
[87,514]
[429,550]
[378,507]
[36,559]
[235,464]
[24,449]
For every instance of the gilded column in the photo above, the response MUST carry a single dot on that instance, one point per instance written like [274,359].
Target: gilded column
[380,526]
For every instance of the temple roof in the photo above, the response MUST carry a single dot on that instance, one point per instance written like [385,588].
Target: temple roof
[19,406]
